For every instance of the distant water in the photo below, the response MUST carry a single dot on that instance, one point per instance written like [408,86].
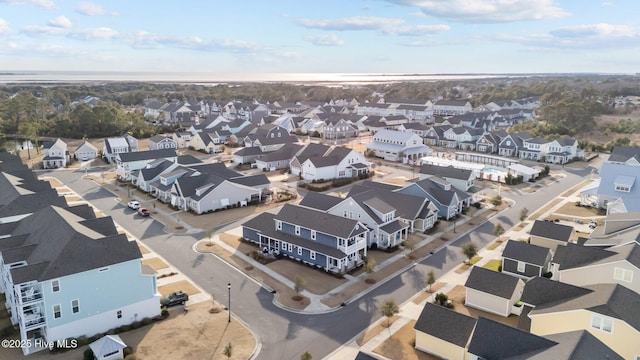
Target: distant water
[57,77]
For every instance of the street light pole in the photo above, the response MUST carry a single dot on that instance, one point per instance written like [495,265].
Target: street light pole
[229,287]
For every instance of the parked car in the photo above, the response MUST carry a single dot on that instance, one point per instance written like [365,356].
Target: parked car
[143,212]
[175,298]
[134,205]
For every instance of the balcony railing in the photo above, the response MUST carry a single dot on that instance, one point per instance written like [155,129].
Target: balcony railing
[30,294]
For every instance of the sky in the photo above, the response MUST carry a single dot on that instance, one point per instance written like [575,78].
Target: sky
[328,36]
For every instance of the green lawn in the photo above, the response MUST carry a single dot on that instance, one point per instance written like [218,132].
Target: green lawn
[493,264]
[494,245]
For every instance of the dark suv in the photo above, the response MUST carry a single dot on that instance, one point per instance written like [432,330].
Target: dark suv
[175,298]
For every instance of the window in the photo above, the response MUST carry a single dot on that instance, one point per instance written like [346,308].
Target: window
[623,274]
[299,251]
[57,313]
[312,255]
[119,314]
[104,269]
[344,213]
[521,266]
[313,234]
[290,248]
[623,188]
[278,225]
[297,230]
[602,323]
[55,285]
[75,306]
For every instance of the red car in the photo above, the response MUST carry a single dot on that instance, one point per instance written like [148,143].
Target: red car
[143,212]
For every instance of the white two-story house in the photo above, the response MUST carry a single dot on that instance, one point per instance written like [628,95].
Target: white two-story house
[56,154]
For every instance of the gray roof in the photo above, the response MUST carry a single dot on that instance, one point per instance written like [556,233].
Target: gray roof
[541,290]
[322,222]
[492,340]
[320,201]
[492,282]
[147,155]
[73,244]
[252,180]
[575,345]
[573,256]
[611,300]
[447,172]
[440,195]
[265,225]
[622,154]
[551,230]
[529,253]
[406,206]
[610,174]
[458,326]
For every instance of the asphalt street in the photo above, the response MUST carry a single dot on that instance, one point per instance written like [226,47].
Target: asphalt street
[283,334]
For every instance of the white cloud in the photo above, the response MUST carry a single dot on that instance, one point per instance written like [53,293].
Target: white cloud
[417,14]
[47,4]
[37,30]
[351,23]
[590,36]
[101,33]
[418,30]
[4,27]
[325,40]
[596,30]
[91,9]
[488,11]
[607,3]
[61,22]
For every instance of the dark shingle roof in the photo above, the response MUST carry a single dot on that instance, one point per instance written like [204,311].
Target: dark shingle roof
[252,180]
[458,326]
[611,300]
[147,155]
[492,282]
[551,230]
[622,154]
[320,221]
[572,255]
[575,345]
[493,340]
[529,253]
[320,201]
[57,242]
[446,172]
[541,290]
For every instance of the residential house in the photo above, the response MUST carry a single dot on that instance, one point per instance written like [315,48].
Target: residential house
[417,128]
[585,265]
[494,340]
[86,151]
[418,113]
[448,200]
[262,140]
[108,347]
[118,145]
[329,242]
[279,159]
[618,176]
[128,164]
[339,162]
[493,291]
[461,179]
[310,150]
[213,187]
[159,142]
[338,126]
[607,311]
[525,260]
[434,135]
[56,154]
[50,263]
[550,234]
[443,332]
[398,146]
[451,107]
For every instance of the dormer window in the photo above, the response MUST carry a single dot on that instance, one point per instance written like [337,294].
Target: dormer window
[624,183]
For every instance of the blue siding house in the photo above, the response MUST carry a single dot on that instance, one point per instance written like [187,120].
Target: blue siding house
[329,242]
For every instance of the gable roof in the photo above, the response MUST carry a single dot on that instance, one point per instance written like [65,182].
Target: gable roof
[611,300]
[458,326]
[57,242]
[529,253]
[489,341]
[492,282]
[573,256]
[551,230]
[320,201]
[623,154]
[446,172]
[320,221]
[147,155]
[541,290]
[576,345]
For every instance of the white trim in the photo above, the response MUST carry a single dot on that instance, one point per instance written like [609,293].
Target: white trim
[78,306]
[57,285]
[53,308]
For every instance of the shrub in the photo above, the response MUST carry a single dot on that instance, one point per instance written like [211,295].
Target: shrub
[82,340]
[136,324]
[147,321]
[127,351]
[164,313]
[125,328]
